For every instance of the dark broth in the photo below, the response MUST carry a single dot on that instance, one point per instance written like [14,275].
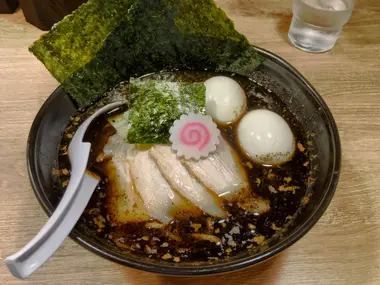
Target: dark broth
[283,186]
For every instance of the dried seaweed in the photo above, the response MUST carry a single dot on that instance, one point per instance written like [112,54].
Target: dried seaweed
[77,38]
[141,37]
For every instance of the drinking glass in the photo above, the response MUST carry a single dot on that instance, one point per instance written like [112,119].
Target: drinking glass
[316,24]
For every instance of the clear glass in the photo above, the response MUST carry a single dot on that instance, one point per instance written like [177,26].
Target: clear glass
[316,24]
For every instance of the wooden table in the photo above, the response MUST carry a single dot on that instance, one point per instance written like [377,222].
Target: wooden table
[343,248]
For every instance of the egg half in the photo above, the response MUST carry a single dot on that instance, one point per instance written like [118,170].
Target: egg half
[225,99]
[266,137]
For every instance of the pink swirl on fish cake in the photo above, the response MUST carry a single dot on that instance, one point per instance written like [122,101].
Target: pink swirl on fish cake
[195,134]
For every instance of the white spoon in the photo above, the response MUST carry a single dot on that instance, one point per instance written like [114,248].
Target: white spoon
[79,191]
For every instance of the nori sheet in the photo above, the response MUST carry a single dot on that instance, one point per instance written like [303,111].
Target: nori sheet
[152,35]
[74,42]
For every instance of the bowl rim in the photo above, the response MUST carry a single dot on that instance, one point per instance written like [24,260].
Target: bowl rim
[298,233]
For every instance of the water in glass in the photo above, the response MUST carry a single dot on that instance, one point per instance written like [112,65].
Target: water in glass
[316,24]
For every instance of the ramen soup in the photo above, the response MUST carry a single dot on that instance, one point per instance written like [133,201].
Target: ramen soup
[155,203]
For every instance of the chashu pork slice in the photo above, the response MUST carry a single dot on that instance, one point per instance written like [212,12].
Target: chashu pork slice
[183,182]
[220,171]
[159,198]
[123,202]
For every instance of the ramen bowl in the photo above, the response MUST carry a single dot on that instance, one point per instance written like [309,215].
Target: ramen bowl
[274,74]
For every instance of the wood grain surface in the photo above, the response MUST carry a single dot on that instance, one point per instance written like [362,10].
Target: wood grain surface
[343,248]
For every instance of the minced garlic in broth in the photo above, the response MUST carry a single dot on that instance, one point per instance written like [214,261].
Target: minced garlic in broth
[280,191]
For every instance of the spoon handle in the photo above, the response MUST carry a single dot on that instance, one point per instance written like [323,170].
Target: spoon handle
[81,186]
[23,263]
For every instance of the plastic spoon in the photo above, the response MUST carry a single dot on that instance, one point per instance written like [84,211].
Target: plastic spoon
[79,191]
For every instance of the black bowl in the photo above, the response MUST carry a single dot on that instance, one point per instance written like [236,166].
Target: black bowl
[275,74]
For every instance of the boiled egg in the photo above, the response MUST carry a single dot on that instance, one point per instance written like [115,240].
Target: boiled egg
[266,137]
[225,99]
